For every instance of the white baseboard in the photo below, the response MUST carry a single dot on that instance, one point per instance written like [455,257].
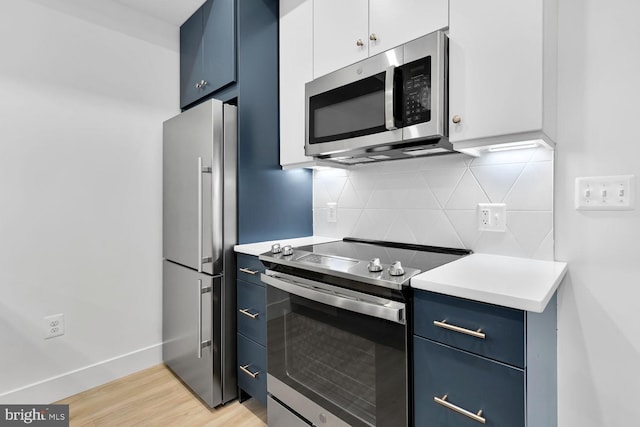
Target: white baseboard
[73,382]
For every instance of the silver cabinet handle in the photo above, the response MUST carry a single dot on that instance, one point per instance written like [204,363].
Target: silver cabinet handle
[373,37]
[244,369]
[476,417]
[201,84]
[359,43]
[246,270]
[443,324]
[201,344]
[456,119]
[247,313]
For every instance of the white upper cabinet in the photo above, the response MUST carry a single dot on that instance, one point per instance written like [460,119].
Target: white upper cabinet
[345,32]
[296,68]
[392,23]
[340,34]
[502,62]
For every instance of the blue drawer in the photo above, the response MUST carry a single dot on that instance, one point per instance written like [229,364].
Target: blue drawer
[438,316]
[469,382]
[250,268]
[252,311]
[252,368]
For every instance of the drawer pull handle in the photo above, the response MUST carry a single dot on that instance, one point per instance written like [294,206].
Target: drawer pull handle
[246,270]
[244,369]
[246,312]
[445,325]
[476,417]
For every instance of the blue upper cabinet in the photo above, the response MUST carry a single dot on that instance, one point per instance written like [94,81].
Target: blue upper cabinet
[207,50]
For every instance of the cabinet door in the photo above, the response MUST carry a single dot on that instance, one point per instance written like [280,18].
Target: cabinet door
[394,22]
[252,368]
[190,58]
[252,311]
[451,386]
[218,44]
[296,69]
[503,327]
[338,25]
[495,67]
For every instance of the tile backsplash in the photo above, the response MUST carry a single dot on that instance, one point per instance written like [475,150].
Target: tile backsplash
[433,201]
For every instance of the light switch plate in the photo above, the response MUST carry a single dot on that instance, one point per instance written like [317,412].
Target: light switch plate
[605,193]
[332,213]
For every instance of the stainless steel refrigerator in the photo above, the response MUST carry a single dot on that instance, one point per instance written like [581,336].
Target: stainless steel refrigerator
[199,231]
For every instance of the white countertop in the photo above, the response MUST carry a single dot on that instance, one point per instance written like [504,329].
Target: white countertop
[521,283]
[261,247]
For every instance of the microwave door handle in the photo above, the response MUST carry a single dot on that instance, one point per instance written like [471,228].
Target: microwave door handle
[389,97]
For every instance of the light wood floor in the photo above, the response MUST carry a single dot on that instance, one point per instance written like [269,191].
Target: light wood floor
[155,397]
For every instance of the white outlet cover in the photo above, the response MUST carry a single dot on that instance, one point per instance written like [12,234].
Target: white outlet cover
[53,325]
[605,193]
[497,220]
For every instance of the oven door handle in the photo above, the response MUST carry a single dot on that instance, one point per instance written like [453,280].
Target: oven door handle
[393,311]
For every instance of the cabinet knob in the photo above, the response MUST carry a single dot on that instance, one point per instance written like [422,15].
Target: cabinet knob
[359,43]
[201,84]
[456,119]
[373,37]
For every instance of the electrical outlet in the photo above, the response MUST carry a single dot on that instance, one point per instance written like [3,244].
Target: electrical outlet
[53,325]
[492,217]
[332,213]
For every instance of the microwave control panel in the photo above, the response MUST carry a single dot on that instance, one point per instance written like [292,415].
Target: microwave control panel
[416,89]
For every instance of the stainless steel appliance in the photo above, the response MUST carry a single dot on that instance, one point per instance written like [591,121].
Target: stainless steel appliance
[199,231]
[389,106]
[338,325]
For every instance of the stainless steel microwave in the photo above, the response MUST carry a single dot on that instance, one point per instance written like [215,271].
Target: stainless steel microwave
[389,106]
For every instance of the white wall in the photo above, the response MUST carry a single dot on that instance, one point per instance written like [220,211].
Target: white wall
[83,93]
[433,201]
[598,314]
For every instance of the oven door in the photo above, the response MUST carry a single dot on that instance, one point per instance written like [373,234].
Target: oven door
[334,355]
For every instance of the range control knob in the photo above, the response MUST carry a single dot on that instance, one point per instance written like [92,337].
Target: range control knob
[275,248]
[374,265]
[287,250]
[396,269]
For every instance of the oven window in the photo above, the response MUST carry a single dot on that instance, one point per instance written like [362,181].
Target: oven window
[335,364]
[351,364]
[349,111]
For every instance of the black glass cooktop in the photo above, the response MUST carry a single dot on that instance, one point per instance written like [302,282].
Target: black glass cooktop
[349,258]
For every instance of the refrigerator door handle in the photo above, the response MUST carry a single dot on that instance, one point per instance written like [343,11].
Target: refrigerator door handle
[201,259]
[201,344]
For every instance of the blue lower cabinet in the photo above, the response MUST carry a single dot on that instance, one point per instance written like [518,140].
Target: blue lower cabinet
[249,269]
[452,387]
[252,368]
[440,317]
[251,311]
[252,329]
